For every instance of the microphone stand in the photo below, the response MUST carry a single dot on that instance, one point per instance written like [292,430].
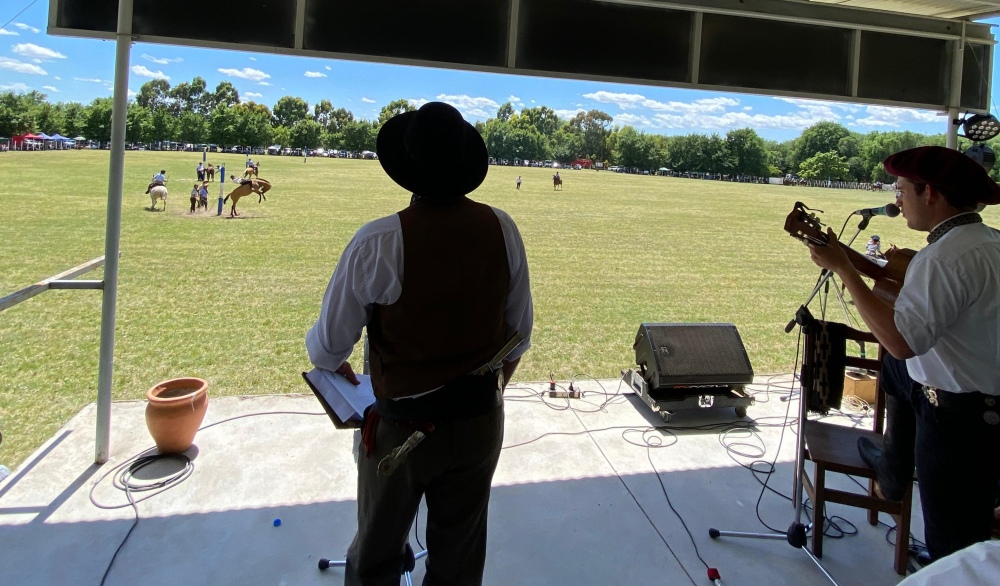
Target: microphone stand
[796,535]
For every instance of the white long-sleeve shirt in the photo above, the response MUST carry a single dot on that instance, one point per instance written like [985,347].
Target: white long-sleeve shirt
[948,311]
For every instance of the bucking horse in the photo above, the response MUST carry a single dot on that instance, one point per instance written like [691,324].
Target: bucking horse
[246,187]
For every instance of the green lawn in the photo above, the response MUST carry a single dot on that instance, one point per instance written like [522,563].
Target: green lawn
[231,300]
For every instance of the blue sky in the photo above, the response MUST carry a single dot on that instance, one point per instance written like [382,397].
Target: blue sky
[71,69]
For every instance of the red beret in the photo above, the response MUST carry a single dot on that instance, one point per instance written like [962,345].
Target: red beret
[945,168]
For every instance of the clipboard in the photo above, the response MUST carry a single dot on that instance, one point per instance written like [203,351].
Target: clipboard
[337,422]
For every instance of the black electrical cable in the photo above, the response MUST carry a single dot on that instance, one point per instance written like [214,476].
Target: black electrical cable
[671,505]
[123,481]
[32,3]
[125,472]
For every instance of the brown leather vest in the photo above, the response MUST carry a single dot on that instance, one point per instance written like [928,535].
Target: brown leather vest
[449,319]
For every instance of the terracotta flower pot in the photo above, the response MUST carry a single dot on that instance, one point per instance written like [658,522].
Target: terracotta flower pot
[175,411]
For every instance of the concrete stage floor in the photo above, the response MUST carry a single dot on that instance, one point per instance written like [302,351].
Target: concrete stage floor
[575,499]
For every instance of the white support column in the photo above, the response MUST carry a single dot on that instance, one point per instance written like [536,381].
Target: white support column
[512,24]
[955,95]
[695,65]
[112,233]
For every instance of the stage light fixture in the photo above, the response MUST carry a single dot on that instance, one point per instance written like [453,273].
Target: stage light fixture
[983,155]
[980,127]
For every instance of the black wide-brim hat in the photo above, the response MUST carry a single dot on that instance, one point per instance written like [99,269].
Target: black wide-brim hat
[433,152]
[945,168]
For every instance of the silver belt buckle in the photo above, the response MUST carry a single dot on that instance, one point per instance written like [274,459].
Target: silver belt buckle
[931,395]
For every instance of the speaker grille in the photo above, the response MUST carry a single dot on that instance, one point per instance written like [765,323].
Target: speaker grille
[692,354]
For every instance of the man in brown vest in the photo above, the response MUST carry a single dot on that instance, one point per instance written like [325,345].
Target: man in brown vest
[446,309]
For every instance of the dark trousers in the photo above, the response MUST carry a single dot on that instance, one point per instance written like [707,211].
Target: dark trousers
[453,469]
[956,453]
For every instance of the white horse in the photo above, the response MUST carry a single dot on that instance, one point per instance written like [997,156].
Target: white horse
[158,192]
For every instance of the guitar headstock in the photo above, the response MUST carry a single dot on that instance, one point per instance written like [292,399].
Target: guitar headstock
[804,224]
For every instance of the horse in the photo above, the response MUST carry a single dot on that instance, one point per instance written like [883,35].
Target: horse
[209,172]
[258,186]
[252,170]
[556,182]
[158,192]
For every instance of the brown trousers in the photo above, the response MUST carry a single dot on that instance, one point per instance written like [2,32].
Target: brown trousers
[453,469]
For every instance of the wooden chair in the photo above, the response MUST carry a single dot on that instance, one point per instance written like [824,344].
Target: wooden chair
[834,448]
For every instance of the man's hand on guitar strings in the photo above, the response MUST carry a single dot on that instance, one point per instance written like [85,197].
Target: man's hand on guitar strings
[830,256]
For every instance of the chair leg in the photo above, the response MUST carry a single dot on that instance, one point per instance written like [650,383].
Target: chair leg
[819,501]
[872,513]
[903,532]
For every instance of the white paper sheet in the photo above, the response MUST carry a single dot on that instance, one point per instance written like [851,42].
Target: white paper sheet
[347,400]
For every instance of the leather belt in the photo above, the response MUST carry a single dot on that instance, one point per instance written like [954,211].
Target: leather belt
[988,405]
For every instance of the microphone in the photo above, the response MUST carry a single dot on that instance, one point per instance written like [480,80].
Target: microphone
[889,209]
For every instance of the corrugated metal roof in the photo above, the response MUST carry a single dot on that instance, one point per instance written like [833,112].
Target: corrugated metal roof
[962,9]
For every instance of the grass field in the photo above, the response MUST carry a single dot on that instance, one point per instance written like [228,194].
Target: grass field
[230,300]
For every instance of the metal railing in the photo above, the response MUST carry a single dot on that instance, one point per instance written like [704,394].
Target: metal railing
[64,280]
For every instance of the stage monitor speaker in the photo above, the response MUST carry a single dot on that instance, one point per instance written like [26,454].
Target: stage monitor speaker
[686,355]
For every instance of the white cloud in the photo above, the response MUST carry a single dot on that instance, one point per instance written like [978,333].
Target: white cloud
[367,100]
[315,74]
[143,71]
[328,68]
[253,95]
[641,102]
[479,107]
[27,27]
[821,105]
[417,102]
[131,93]
[747,108]
[4,31]
[513,99]
[883,116]
[57,78]
[15,87]
[820,108]
[265,83]
[32,51]
[162,60]
[733,120]
[51,88]
[90,79]
[20,66]
[253,58]
[246,73]
[632,120]
[567,114]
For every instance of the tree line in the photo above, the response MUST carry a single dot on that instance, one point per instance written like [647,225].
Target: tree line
[190,112]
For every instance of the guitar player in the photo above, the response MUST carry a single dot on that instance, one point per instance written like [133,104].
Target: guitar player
[941,375]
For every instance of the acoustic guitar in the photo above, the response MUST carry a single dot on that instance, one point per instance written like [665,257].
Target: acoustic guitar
[801,223]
